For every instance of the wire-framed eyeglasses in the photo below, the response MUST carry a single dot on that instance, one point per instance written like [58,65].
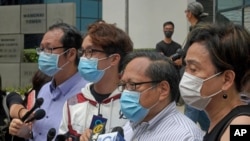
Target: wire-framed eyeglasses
[132,85]
[88,52]
[47,49]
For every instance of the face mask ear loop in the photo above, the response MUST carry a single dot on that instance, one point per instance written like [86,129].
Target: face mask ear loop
[212,76]
[66,62]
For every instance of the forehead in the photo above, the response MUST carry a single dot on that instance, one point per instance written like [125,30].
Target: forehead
[168,26]
[136,68]
[198,54]
[52,37]
[87,43]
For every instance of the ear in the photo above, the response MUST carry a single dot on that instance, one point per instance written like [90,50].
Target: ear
[71,54]
[115,59]
[228,79]
[164,90]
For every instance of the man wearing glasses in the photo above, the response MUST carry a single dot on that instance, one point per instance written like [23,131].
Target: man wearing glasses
[57,58]
[103,50]
[149,86]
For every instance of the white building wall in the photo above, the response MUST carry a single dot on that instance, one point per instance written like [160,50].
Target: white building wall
[146,18]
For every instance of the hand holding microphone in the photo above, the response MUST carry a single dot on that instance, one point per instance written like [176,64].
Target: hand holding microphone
[179,53]
[39,114]
[38,103]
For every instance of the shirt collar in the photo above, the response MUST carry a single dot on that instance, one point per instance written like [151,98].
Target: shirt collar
[64,88]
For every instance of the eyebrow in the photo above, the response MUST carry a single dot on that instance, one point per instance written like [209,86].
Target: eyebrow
[192,62]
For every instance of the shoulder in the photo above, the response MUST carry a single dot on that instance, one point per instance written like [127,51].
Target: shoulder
[176,44]
[160,43]
[243,119]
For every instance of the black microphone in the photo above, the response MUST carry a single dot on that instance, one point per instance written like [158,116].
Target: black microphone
[39,114]
[38,103]
[119,130]
[51,134]
[177,55]
[117,134]
[60,137]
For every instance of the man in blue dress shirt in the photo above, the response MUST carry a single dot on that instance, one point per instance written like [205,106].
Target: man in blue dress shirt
[57,58]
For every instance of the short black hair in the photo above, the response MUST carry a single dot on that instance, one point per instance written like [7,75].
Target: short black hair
[168,23]
[72,38]
[160,69]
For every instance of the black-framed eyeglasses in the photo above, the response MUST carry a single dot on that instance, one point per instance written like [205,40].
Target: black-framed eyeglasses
[47,49]
[132,85]
[88,52]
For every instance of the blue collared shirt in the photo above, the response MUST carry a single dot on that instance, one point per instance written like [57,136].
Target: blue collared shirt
[168,125]
[54,99]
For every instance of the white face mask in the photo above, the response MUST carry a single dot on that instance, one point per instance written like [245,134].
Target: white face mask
[190,89]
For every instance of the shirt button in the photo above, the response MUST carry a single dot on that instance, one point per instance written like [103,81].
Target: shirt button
[40,133]
[47,116]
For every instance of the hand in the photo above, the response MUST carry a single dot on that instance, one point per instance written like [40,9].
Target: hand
[86,135]
[19,128]
[69,139]
[178,62]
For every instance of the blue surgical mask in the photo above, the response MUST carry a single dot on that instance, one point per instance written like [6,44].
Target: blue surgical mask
[48,63]
[88,68]
[131,107]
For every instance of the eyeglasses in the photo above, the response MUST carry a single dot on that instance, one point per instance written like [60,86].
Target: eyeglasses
[47,49]
[88,52]
[132,85]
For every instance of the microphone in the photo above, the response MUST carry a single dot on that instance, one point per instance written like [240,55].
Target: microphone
[60,137]
[117,134]
[119,130]
[38,103]
[51,134]
[177,55]
[39,114]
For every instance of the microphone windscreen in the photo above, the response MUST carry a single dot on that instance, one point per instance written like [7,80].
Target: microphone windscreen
[119,130]
[51,133]
[60,138]
[39,114]
[39,101]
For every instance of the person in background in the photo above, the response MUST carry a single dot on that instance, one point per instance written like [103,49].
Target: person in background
[216,61]
[195,15]
[103,50]
[168,46]
[57,59]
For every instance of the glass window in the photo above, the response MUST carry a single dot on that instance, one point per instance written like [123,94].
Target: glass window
[247,18]
[87,6]
[225,4]
[85,23]
[234,16]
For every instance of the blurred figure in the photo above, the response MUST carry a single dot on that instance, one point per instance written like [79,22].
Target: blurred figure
[216,61]
[195,14]
[38,80]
